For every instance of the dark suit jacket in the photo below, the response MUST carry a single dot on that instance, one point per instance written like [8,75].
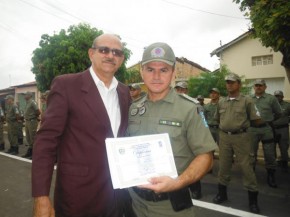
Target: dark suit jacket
[74,130]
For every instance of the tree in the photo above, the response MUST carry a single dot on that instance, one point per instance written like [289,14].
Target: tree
[66,52]
[133,76]
[202,84]
[271,24]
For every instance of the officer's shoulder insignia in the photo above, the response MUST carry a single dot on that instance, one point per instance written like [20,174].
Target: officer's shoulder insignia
[189,98]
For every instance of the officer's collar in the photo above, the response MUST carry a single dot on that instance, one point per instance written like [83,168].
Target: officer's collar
[234,98]
[168,98]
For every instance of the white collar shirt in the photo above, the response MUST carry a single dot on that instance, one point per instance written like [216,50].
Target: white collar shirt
[110,100]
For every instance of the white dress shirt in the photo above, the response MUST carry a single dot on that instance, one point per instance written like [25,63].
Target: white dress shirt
[110,100]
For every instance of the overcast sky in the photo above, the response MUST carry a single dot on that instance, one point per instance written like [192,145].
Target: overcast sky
[193,28]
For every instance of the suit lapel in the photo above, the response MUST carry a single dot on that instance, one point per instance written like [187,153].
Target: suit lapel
[93,100]
[124,106]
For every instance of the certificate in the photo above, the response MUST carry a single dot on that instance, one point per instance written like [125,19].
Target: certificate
[133,160]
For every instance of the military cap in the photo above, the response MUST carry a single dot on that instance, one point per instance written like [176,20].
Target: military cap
[9,97]
[159,52]
[215,90]
[260,82]
[135,86]
[278,93]
[200,97]
[232,77]
[181,84]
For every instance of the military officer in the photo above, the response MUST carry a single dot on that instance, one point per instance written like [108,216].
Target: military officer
[135,91]
[2,119]
[234,139]
[200,98]
[12,117]
[31,115]
[165,111]
[209,112]
[269,109]
[281,126]
[181,87]
[20,124]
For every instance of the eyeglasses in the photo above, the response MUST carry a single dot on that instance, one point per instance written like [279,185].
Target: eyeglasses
[106,50]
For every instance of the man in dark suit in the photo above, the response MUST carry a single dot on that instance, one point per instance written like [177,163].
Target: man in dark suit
[83,110]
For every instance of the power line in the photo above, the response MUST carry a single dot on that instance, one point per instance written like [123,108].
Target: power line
[203,11]
[48,12]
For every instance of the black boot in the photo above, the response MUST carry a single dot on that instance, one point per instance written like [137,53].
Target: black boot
[15,151]
[195,189]
[2,147]
[222,194]
[253,202]
[271,178]
[20,141]
[284,165]
[28,153]
[10,150]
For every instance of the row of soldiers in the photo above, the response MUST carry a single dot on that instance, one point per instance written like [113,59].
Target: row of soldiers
[16,118]
[226,118]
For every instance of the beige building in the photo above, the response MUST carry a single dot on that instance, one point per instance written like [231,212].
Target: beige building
[247,56]
[17,91]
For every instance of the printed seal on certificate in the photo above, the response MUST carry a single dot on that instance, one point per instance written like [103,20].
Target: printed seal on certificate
[133,160]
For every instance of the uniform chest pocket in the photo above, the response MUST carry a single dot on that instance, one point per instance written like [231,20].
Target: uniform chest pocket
[173,131]
[239,113]
[133,127]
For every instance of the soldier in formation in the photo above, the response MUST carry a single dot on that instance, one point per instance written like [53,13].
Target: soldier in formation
[31,116]
[12,117]
[270,110]
[281,126]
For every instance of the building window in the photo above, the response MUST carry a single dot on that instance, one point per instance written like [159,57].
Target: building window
[262,60]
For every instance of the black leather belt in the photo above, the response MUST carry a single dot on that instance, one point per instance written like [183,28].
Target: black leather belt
[261,125]
[282,126]
[150,195]
[213,126]
[234,132]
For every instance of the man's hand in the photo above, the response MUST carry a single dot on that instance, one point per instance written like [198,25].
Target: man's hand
[162,184]
[42,207]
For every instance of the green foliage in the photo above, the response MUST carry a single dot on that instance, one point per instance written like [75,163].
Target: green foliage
[66,52]
[133,76]
[202,84]
[271,24]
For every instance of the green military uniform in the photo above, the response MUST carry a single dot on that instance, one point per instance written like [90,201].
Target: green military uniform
[281,126]
[20,126]
[209,112]
[234,116]
[268,106]
[178,116]
[31,121]
[11,118]
[2,116]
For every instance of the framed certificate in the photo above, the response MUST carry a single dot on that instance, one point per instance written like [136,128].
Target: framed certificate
[133,160]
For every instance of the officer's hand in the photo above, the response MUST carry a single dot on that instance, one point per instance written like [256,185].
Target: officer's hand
[42,207]
[162,184]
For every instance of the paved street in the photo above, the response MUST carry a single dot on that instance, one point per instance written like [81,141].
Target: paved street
[16,201]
